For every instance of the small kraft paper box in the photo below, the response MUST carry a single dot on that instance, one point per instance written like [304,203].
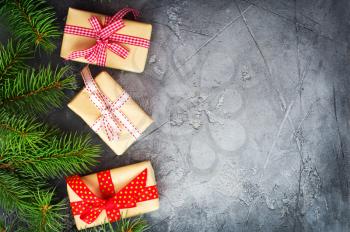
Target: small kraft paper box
[122,45]
[110,195]
[119,121]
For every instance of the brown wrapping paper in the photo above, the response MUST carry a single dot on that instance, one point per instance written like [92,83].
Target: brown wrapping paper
[136,60]
[120,177]
[82,105]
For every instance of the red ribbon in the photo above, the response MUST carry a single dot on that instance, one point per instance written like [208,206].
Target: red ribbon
[90,207]
[106,38]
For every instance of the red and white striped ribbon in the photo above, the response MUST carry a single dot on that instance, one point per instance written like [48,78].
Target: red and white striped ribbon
[112,119]
[106,38]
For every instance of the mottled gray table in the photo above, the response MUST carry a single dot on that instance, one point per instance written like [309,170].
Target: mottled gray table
[251,107]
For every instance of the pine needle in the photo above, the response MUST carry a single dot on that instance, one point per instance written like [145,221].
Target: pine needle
[12,57]
[132,225]
[9,222]
[58,156]
[137,224]
[36,91]
[44,215]
[64,155]
[30,151]
[33,20]
[14,193]
[22,131]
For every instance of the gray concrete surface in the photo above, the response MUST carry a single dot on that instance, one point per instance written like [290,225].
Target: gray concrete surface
[251,107]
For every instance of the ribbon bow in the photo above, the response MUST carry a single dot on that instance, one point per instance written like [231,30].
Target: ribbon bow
[111,116]
[91,206]
[106,38]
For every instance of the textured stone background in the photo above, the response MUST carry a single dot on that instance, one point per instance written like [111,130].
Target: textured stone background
[251,105]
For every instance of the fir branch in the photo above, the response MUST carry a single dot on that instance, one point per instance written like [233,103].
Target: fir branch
[132,225]
[14,193]
[31,19]
[38,213]
[3,225]
[43,214]
[137,224]
[12,57]
[36,91]
[22,131]
[64,155]
[59,155]
[9,222]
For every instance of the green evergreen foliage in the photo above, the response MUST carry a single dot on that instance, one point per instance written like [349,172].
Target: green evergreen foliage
[14,194]
[137,224]
[56,156]
[36,91]
[31,20]
[34,149]
[132,225]
[32,152]
[23,132]
[13,57]
[9,222]
[32,209]
[42,215]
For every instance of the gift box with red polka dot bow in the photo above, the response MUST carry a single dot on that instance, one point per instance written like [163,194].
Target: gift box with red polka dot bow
[113,194]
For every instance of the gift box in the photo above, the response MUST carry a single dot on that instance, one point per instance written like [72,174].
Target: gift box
[110,111]
[113,194]
[107,41]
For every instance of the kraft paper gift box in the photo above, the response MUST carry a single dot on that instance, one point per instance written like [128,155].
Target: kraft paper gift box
[86,109]
[121,178]
[136,59]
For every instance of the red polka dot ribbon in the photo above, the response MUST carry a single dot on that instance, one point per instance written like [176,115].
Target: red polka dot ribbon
[106,38]
[90,206]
